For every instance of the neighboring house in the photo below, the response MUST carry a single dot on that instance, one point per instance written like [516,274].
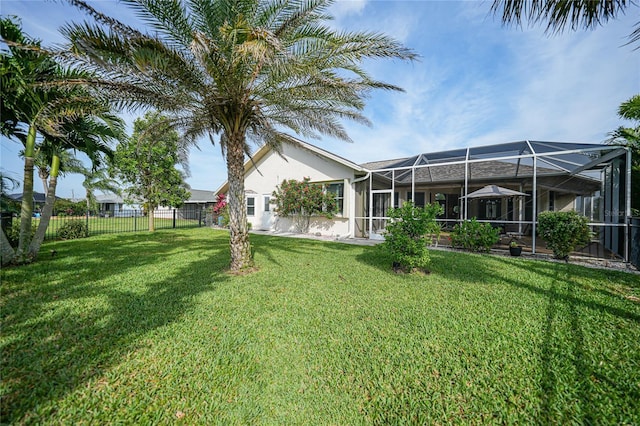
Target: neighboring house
[38,200]
[192,208]
[590,178]
[112,205]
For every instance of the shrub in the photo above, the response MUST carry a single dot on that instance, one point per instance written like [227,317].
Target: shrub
[302,199]
[408,233]
[73,229]
[475,236]
[13,233]
[563,232]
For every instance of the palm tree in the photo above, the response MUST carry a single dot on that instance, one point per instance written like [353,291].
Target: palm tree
[560,14]
[91,135]
[237,71]
[44,97]
[97,179]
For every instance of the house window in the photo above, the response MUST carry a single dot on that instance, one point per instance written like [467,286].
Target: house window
[251,206]
[396,200]
[419,201]
[552,201]
[267,203]
[338,190]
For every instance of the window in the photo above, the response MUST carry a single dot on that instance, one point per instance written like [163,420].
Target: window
[251,206]
[267,203]
[338,190]
[396,200]
[419,201]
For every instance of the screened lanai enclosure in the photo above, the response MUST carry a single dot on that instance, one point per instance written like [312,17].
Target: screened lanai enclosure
[507,185]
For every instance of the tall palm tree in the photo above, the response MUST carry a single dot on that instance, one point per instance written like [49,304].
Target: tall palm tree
[43,97]
[91,135]
[562,14]
[237,71]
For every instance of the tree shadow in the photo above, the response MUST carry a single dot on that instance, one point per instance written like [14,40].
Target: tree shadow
[52,347]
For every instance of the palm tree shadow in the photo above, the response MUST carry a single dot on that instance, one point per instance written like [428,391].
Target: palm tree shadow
[50,354]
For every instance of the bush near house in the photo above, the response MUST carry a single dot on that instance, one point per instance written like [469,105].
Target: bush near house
[563,232]
[475,236]
[301,200]
[408,233]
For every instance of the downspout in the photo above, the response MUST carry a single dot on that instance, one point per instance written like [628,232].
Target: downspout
[352,218]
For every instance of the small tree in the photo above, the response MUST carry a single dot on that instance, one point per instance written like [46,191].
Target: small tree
[408,233]
[147,160]
[563,232]
[301,200]
[221,209]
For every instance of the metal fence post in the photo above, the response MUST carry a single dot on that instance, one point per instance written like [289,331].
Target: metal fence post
[87,222]
[174,218]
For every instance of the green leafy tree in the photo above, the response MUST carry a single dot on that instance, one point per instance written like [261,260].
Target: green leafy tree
[147,163]
[563,231]
[97,179]
[301,200]
[408,233]
[562,14]
[630,136]
[237,71]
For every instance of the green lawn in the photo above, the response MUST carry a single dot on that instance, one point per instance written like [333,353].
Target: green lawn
[109,225]
[148,329]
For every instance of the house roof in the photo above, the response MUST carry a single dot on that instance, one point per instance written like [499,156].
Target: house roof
[265,149]
[38,197]
[201,196]
[507,160]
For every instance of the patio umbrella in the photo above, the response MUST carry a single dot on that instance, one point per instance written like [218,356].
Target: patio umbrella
[494,191]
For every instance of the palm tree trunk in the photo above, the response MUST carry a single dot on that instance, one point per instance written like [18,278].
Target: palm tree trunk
[47,210]
[238,234]
[26,211]
[8,253]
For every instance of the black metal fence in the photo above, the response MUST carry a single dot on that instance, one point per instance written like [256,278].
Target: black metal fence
[112,222]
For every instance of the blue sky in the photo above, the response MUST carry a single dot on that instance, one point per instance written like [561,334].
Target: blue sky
[476,82]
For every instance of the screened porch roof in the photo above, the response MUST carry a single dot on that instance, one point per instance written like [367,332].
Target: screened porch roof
[504,161]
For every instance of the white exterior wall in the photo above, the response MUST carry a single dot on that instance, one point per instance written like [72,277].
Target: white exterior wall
[299,163]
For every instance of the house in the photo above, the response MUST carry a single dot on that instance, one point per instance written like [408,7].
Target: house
[115,206]
[112,205]
[192,208]
[592,179]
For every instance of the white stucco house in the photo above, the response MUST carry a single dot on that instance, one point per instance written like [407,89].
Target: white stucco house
[297,161]
[593,179]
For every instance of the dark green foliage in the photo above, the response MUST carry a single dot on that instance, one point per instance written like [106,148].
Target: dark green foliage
[475,236]
[13,233]
[63,207]
[73,229]
[409,232]
[563,231]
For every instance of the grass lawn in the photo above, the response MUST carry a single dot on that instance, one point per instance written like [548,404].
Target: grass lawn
[139,328]
[109,225]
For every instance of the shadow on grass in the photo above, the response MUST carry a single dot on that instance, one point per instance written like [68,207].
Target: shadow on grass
[59,335]
[573,380]
[586,333]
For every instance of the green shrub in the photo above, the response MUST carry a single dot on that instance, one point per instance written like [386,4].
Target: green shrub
[408,233]
[475,236]
[563,232]
[13,233]
[73,229]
